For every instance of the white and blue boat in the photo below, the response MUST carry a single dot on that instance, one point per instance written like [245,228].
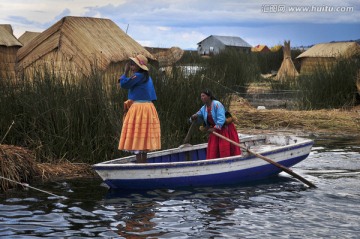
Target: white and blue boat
[186,166]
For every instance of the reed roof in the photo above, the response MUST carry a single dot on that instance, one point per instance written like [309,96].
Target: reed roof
[260,48]
[169,56]
[6,36]
[335,50]
[27,36]
[83,40]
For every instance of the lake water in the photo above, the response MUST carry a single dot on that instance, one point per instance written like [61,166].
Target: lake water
[278,208]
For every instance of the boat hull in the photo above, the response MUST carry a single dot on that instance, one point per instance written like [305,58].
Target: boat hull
[226,178]
[124,174]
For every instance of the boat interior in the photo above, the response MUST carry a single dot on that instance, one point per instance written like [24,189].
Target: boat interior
[257,143]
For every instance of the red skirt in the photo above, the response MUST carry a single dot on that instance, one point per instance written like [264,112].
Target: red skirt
[219,148]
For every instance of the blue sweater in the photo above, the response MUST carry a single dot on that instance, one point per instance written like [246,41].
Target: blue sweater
[139,88]
[217,112]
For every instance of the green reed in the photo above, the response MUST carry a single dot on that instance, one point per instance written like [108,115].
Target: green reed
[80,118]
[268,61]
[61,118]
[329,87]
[271,61]
[231,71]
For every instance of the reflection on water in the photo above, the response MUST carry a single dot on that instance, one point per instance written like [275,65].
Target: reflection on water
[201,212]
[278,208]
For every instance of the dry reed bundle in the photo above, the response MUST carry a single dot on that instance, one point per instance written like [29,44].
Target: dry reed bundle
[49,171]
[358,82]
[311,121]
[17,164]
[287,68]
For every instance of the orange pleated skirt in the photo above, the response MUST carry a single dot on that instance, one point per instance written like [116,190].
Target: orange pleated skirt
[141,129]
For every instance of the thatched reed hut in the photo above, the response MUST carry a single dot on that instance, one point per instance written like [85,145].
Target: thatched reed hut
[326,54]
[27,37]
[166,56]
[260,48]
[276,48]
[9,46]
[79,46]
[287,69]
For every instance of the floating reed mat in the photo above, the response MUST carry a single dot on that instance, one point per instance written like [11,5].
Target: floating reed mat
[334,120]
[50,171]
[17,164]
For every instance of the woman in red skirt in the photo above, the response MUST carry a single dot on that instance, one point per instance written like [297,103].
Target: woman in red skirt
[213,115]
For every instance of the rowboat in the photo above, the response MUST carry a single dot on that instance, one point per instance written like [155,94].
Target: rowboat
[186,166]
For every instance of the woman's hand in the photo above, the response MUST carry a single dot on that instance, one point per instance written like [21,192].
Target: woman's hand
[194,117]
[210,130]
[127,68]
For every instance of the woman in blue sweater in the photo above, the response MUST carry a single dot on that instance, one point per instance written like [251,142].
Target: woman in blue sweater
[212,114]
[141,125]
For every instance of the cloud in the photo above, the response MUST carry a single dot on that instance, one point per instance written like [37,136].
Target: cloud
[164,28]
[205,13]
[183,23]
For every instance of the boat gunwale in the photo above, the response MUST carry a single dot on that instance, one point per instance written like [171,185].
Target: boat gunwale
[244,138]
[136,166]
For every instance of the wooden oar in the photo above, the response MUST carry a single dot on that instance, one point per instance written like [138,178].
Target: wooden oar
[285,169]
[188,135]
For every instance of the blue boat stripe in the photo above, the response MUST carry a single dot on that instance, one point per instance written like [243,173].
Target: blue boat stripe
[235,177]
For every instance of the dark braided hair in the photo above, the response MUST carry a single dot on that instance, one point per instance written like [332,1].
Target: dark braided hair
[209,93]
[146,74]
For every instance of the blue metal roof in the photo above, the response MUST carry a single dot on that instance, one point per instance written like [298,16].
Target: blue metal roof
[230,41]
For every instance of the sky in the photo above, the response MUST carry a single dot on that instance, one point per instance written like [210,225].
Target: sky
[184,23]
